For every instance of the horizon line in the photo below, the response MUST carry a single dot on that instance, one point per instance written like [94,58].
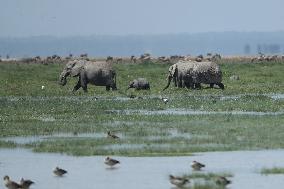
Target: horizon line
[129,35]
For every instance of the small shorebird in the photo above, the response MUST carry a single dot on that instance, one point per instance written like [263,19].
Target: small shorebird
[196,165]
[178,181]
[165,100]
[110,135]
[11,184]
[111,162]
[59,172]
[223,181]
[25,184]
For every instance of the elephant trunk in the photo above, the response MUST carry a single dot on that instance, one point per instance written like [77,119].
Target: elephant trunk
[62,78]
[130,86]
[169,82]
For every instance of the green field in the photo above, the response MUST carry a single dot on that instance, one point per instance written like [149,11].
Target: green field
[247,115]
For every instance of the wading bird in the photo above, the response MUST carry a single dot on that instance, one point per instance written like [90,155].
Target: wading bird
[59,172]
[111,162]
[10,184]
[196,165]
[110,135]
[223,181]
[25,184]
[165,100]
[178,181]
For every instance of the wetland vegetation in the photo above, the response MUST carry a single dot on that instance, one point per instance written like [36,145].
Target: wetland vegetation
[274,170]
[28,110]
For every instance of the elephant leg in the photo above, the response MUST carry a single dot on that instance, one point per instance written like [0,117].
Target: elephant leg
[113,87]
[211,85]
[175,81]
[77,86]
[84,83]
[221,85]
[180,83]
[107,88]
[197,86]
[85,88]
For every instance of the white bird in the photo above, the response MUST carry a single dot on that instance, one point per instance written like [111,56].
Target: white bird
[165,100]
[42,87]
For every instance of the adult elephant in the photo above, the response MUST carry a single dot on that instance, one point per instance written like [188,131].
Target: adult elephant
[207,73]
[96,73]
[192,74]
[178,72]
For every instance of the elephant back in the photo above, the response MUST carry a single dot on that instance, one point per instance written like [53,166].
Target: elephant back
[185,66]
[206,72]
[100,73]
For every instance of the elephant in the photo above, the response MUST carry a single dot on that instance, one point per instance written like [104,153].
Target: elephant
[97,73]
[207,73]
[178,73]
[191,74]
[139,84]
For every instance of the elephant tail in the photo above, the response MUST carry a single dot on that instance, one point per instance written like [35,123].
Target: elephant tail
[169,82]
[114,77]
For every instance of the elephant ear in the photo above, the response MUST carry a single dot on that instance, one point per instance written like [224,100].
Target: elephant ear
[172,69]
[77,67]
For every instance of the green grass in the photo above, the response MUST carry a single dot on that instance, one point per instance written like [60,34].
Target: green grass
[27,110]
[207,176]
[206,185]
[274,170]
[205,180]
[26,79]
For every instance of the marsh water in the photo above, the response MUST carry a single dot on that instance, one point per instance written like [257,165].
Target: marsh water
[138,172]
[39,138]
[182,111]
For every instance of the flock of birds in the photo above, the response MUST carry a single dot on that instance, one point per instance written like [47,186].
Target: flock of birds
[175,180]
[25,184]
[197,166]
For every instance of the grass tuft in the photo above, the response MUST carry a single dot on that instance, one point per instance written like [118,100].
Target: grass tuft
[274,170]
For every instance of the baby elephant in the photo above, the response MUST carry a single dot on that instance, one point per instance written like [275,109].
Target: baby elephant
[139,84]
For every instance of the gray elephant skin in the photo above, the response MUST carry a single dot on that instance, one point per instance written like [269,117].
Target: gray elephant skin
[207,73]
[191,74]
[96,73]
[178,72]
[139,84]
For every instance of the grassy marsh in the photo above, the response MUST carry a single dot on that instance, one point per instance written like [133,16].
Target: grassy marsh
[27,110]
[274,170]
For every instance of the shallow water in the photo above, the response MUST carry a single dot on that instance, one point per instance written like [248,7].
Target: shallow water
[39,138]
[274,96]
[182,111]
[138,172]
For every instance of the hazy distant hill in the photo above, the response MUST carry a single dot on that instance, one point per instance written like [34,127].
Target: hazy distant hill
[227,43]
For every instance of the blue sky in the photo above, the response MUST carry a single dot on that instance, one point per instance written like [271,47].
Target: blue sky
[21,18]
